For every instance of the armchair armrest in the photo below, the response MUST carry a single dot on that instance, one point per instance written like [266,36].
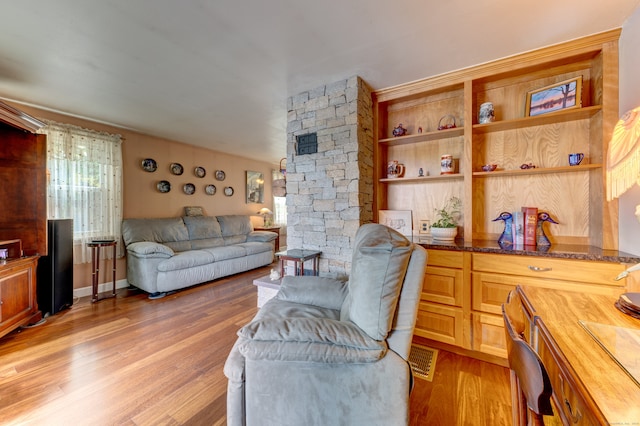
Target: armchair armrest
[150,249]
[311,290]
[308,339]
[262,236]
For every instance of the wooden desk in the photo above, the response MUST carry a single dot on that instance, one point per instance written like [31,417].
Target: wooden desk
[589,387]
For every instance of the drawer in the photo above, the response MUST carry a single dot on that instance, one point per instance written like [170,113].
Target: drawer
[489,291]
[440,323]
[443,285]
[445,258]
[549,268]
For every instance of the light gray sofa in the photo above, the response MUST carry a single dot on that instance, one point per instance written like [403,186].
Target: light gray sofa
[325,352]
[172,253]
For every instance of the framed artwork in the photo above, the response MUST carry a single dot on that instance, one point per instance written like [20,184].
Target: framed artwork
[255,187]
[563,95]
[400,220]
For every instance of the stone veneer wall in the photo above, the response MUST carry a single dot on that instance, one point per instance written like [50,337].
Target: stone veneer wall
[330,193]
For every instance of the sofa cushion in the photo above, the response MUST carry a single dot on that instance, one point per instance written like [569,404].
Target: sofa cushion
[184,260]
[171,232]
[235,228]
[204,231]
[226,252]
[380,259]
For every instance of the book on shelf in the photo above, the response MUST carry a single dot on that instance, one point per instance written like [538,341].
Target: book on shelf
[530,222]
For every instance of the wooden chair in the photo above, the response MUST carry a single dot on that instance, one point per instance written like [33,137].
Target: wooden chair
[530,385]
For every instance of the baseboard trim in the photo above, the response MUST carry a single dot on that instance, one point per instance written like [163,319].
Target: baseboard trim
[104,287]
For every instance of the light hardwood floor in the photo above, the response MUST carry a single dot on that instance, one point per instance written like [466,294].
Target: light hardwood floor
[135,361]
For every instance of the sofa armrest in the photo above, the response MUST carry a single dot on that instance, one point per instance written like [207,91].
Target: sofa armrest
[262,236]
[308,339]
[149,249]
[311,290]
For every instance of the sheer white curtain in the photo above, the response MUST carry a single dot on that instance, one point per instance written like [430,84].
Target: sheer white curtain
[84,170]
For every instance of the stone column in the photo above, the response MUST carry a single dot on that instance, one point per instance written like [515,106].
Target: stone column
[330,193]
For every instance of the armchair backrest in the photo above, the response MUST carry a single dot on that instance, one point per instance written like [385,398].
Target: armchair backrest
[387,272]
[401,333]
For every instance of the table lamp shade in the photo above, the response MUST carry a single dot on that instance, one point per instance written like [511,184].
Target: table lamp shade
[264,212]
[623,158]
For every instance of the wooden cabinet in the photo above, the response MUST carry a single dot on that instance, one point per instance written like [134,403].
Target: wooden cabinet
[493,276]
[440,313]
[18,304]
[574,195]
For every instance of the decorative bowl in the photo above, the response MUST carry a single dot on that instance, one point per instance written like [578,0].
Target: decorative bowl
[489,167]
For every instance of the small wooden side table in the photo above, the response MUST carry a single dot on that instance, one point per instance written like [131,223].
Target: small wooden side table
[299,257]
[275,229]
[95,263]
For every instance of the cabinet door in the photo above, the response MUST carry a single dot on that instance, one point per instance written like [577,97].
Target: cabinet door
[488,334]
[15,296]
[441,323]
[443,285]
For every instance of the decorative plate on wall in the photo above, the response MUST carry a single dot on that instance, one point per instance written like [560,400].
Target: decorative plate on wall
[199,172]
[228,191]
[220,175]
[149,165]
[163,186]
[210,189]
[189,188]
[176,168]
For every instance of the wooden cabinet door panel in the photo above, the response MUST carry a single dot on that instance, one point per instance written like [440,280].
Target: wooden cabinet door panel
[441,323]
[443,285]
[488,334]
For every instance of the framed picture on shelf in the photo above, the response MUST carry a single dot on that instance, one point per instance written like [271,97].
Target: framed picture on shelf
[563,95]
[400,220]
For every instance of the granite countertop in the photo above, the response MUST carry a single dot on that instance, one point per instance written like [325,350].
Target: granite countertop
[562,251]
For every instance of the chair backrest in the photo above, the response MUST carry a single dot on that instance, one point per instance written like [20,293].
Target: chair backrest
[387,272]
[531,374]
[401,334]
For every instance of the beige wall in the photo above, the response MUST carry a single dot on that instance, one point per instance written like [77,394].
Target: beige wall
[141,199]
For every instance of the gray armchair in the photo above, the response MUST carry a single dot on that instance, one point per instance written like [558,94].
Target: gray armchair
[327,352]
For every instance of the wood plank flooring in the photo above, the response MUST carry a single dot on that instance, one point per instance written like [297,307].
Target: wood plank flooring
[135,361]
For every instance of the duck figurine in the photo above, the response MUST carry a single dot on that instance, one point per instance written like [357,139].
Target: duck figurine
[507,235]
[541,238]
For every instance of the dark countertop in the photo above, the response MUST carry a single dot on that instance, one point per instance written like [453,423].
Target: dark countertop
[561,251]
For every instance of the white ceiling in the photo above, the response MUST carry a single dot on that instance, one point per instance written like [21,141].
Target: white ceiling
[217,73]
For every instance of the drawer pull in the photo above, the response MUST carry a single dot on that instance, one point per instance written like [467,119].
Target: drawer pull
[575,417]
[538,269]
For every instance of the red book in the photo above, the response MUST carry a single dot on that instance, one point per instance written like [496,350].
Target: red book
[530,222]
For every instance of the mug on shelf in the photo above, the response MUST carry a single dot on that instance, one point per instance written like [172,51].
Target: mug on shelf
[575,158]
[446,164]
[394,169]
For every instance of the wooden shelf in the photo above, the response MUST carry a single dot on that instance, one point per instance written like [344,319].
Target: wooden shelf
[539,120]
[538,170]
[455,176]
[423,137]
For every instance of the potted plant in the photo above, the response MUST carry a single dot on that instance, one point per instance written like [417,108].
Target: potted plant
[446,227]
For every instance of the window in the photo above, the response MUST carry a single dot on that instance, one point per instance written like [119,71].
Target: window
[84,183]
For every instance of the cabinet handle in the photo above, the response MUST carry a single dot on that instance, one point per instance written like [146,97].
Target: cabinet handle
[538,269]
